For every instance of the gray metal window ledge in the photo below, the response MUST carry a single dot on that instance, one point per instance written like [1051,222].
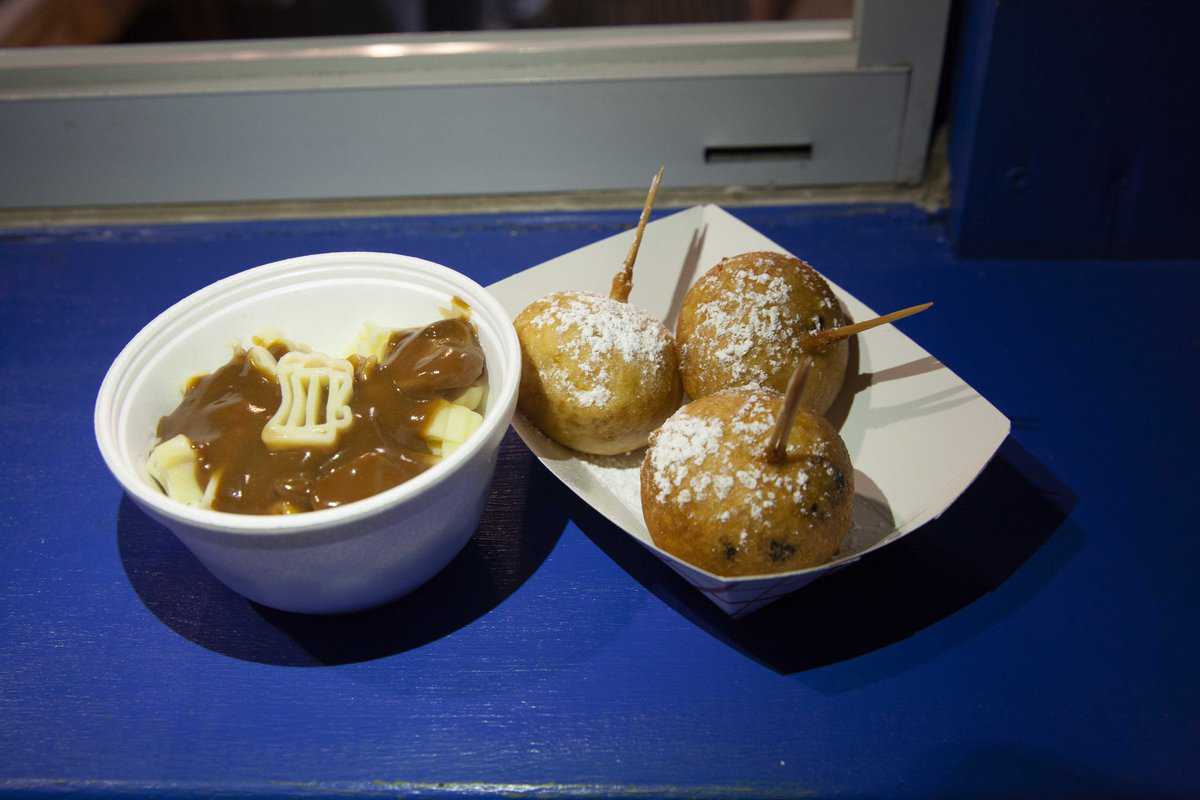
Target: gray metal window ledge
[755,104]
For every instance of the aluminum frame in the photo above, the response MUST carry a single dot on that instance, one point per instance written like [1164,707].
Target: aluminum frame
[807,103]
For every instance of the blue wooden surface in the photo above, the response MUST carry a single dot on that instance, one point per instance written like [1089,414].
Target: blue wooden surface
[1074,129]
[1038,638]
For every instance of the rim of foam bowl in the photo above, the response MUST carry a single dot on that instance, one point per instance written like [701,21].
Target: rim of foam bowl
[123,378]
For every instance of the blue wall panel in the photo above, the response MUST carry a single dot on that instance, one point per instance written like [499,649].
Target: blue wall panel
[1075,127]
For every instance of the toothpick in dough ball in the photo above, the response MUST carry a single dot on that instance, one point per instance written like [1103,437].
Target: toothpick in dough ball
[742,324]
[710,497]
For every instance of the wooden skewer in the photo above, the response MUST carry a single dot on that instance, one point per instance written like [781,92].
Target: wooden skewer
[819,341]
[777,444]
[622,282]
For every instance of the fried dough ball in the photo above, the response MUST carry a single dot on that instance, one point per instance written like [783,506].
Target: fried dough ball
[597,375]
[711,498]
[743,322]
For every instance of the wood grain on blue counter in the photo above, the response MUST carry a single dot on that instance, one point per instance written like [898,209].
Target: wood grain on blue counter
[1038,638]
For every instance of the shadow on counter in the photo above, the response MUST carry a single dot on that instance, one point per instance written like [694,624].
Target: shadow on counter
[515,535]
[1012,509]
[1017,769]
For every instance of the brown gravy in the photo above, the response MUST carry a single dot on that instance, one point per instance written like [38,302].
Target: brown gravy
[223,415]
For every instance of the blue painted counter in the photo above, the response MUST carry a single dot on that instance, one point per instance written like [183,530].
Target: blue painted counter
[1039,638]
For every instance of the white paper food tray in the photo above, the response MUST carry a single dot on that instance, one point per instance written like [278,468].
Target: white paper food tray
[918,435]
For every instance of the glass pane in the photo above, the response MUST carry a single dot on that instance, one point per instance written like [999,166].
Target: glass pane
[30,23]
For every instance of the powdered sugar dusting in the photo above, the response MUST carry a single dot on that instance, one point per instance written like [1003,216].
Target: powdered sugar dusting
[592,330]
[706,474]
[620,474]
[692,458]
[681,443]
[598,395]
[756,309]
[753,315]
[683,471]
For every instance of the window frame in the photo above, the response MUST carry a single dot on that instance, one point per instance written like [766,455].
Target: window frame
[551,110]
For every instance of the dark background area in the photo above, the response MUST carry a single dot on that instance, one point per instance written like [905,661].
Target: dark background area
[1072,125]
[67,22]
[1074,130]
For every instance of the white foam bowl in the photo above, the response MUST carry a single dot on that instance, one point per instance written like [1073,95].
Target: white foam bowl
[334,560]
